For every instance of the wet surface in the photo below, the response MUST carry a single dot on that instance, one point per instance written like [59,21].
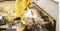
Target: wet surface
[43,22]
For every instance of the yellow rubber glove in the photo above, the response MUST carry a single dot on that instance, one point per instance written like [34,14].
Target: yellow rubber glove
[21,5]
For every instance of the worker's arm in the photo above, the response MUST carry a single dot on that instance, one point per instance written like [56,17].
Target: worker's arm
[21,5]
